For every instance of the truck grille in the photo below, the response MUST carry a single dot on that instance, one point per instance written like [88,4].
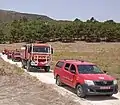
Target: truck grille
[105,90]
[41,60]
[103,83]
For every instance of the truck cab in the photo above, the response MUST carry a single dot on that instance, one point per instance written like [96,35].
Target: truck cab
[37,56]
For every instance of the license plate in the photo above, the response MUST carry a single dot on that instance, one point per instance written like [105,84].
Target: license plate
[105,87]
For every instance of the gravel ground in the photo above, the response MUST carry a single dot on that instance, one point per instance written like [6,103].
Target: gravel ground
[19,88]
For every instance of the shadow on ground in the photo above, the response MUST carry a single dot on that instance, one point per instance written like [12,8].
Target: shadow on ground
[92,97]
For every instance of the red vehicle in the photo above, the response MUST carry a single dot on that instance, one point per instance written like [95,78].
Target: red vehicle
[36,56]
[85,77]
[16,55]
[9,54]
[5,51]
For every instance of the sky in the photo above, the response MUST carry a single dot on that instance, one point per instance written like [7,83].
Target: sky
[67,9]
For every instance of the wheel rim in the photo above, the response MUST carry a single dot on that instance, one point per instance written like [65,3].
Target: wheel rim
[47,69]
[79,91]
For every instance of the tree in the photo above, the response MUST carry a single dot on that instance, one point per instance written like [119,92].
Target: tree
[109,21]
[77,20]
[2,36]
[65,31]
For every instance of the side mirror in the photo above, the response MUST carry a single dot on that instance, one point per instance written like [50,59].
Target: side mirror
[105,71]
[51,50]
[29,49]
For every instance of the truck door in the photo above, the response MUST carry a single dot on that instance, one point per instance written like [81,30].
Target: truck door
[72,75]
[66,73]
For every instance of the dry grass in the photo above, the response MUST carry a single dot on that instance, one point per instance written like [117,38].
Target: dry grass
[8,69]
[105,55]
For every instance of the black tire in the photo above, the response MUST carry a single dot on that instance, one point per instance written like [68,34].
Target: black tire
[79,91]
[58,81]
[3,53]
[13,59]
[47,68]
[109,95]
[28,67]
[23,65]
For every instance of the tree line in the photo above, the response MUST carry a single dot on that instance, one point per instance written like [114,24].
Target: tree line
[25,30]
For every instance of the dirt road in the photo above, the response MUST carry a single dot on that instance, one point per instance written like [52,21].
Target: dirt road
[68,92]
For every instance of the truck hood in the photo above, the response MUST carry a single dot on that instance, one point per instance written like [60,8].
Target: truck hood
[96,77]
[40,54]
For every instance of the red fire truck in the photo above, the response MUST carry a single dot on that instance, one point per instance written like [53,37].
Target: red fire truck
[36,56]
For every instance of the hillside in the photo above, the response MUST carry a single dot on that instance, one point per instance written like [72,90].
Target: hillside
[6,16]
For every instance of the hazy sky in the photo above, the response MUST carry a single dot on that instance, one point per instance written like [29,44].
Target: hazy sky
[67,9]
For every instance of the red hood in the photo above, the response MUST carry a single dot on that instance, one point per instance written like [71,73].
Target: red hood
[96,77]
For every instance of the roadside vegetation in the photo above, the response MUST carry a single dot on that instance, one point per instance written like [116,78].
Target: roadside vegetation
[26,30]
[7,70]
[105,55]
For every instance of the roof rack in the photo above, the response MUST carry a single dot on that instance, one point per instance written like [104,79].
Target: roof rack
[74,59]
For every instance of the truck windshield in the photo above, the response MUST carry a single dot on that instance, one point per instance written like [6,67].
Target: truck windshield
[41,49]
[89,69]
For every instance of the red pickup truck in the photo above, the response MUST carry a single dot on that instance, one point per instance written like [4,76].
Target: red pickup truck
[85,77]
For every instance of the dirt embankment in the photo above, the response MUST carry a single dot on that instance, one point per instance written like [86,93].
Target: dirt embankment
[19,88]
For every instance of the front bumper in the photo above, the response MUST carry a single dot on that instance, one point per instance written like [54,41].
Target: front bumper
[17,59]
[100,90]
[39,64]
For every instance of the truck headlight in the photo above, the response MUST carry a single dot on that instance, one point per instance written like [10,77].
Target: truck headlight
[115,82]
[33,63]
[89,82]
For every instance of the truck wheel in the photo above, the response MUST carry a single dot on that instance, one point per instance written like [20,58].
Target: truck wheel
[8,57]
[58,81]
[80,91]
[13,59]
[47,68]
[29,68]
[109,95]
[23,65]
